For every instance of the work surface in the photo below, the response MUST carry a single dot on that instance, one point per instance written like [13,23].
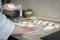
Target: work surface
[53,36]
[41,32]
[37,36]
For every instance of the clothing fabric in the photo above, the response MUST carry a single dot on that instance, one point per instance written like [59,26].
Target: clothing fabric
[6,26]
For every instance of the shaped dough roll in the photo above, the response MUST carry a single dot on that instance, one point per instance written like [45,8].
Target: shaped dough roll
[45,23]
[48,28]
[57,25]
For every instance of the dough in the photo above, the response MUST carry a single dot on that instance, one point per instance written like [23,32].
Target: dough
[45,22]
[28,24]
[24,22]
[51,24]
[48,28]
[39,22]
[57,25]
[35,21]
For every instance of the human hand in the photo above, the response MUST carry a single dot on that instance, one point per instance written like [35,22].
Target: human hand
[29,30]
[20,30]
[11,7]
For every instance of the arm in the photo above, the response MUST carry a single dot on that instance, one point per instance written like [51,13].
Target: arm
[20,30]
[7,27]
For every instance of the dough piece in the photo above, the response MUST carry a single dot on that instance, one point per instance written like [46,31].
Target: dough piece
[29,24]
[35,21]
[51,24]
[57,25]
[39,22]
[48,28]
[24,22]
[45,23]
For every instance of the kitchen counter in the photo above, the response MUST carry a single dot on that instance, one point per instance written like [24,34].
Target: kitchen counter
[37,36]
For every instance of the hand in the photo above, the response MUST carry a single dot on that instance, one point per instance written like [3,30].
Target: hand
[29,30]
[18,7]
[19,30]
[5,7]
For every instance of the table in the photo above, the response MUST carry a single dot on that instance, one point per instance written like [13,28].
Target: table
[37,36]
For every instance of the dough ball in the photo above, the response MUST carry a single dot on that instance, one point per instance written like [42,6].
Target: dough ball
[51,24]
[39,22]
[57,25]
[35,21]
[48,28]
[45,22]
[24,22]
[29,24]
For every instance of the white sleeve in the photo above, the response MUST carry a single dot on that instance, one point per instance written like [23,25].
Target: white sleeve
[6,27]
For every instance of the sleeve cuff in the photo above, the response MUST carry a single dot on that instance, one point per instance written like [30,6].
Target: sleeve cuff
[6,32]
